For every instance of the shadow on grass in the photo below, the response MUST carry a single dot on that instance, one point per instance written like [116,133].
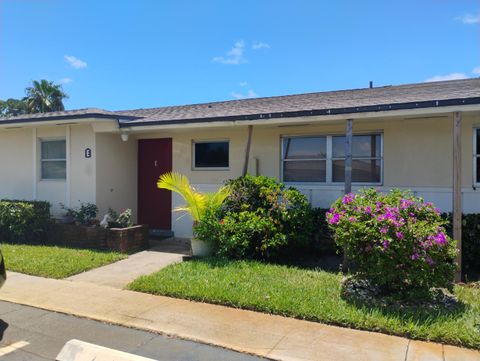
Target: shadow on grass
[440,305]
[421,312]
[328,263]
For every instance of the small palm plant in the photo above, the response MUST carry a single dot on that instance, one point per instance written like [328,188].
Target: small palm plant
[196,202]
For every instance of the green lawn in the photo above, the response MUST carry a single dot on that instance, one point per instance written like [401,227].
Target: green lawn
[307,294]
[52,261]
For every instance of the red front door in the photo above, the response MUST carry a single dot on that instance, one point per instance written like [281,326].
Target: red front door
[154,205]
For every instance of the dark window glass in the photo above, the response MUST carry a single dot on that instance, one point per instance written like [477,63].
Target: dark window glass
[304,171]
[211,155]
[363,170]
[305,148]
[478,141]
[363,146]
[478,169]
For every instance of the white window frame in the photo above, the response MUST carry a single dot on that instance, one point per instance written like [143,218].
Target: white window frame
[475,156]
[46,140]
[330,159]
[283,160]
[194,142]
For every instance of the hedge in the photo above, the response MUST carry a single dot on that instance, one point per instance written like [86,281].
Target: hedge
[24,221]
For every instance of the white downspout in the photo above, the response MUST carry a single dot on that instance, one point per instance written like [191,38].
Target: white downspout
[34,164]
[67,185]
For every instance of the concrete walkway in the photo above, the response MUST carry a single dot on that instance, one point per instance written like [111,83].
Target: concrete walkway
[119,274]
[265,335]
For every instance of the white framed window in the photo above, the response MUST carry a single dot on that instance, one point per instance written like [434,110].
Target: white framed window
[53,159]
[304,159]
[321,159]
[476,156]
[213,155]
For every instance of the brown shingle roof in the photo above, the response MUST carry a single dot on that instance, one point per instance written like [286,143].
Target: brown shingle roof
[407,96]
[387,95]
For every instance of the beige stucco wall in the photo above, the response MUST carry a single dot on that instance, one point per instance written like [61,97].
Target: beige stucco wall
[82,169]
[417,155]
[16,164]
[116,171]
[20,175]
[417,152]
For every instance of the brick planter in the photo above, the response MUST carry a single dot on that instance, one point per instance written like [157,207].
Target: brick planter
[78,236]
[128,240]
[125,240]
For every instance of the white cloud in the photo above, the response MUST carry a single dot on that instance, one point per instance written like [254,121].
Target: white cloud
[64,81]
[243,83]
[260,45]
[476,71]
[451,76]
[75,62]
[469,19]
[248,95]
[234,56]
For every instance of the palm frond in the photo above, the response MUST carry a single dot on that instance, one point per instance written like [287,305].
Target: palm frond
[175,182]
[216,199]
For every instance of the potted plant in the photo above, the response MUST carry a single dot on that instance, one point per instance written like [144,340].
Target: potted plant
[196,205]
[123,235]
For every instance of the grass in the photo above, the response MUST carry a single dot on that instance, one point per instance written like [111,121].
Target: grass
[53,261]
[308,294]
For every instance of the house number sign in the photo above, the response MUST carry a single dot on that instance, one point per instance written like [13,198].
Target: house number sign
[88,153]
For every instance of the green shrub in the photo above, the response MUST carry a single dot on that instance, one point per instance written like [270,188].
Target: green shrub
[122,220]
[260,218]
[322,241]
[24,221]
[470,244]
[85,214]
[395,240]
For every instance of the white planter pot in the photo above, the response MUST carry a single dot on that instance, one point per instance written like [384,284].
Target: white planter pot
[201,248]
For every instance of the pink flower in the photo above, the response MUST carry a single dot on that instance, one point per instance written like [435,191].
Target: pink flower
[348,198]
[334,219]
[399,235]
[383,230]
[414,256]
[440,239]
[352,219]
[405,203]
[385,244]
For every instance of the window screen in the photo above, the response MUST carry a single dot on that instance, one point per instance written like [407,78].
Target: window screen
[53,159]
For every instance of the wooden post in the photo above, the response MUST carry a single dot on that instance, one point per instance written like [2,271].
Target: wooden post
[457,189]
[348,156]
[247,150]
[348,175]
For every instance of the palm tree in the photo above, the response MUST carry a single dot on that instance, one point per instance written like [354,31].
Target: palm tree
[197,203]
[44,96]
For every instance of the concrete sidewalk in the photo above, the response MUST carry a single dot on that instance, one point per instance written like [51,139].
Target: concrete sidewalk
[119,274]
[265,335]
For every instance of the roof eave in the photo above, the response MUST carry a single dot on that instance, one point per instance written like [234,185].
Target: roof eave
[61,118]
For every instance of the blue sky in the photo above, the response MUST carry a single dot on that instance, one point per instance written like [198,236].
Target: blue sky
[126,54]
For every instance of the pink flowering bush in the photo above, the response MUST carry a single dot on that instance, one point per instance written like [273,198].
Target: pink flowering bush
[396,241]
